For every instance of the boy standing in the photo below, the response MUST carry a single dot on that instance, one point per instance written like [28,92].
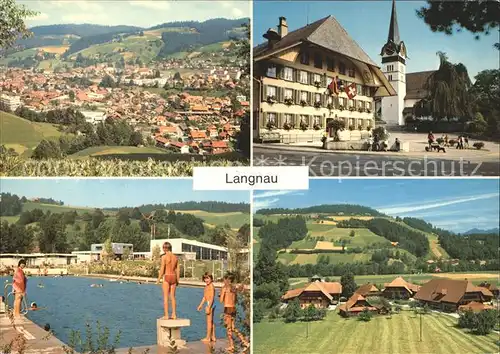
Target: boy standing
[229,299]
[208,300]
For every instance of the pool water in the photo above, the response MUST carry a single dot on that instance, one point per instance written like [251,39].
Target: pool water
[129,307]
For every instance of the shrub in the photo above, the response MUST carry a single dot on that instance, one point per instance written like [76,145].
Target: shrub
[479,145]
[351,127]
[365,316]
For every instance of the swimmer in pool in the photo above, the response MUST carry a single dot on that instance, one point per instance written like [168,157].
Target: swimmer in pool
[208,300]
[169,274]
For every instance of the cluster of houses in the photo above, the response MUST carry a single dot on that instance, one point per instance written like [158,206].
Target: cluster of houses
[443,294]
[183,122]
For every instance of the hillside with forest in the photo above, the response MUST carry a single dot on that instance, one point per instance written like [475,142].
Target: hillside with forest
[328,244]
[47,225]
[87,43]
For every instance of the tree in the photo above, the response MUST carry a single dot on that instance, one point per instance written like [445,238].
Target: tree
[447,95]
[244,49]
[349,286]
[293,312]
[126,253]
[156,253]
[478,125]
[365,316]
[243,137]
[107,251]
[136,139]
[352,233]
[12,25]
[334,126]
[177,76]
[47,149]
[107,81]
[478,17]
[485,93]
[72,96]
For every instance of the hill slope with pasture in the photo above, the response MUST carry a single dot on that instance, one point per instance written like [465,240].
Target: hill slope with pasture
[346,234]
[23,135]
[63,45]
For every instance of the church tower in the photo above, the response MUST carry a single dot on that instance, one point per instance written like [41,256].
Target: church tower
[394,68]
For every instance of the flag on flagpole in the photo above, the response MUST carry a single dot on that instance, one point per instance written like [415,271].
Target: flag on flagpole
[333,86]
[351,90]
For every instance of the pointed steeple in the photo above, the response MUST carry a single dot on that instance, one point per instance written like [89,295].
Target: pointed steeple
[393,26]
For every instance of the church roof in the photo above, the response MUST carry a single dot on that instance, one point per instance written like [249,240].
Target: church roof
[415,83]
[327,33]
[393,26]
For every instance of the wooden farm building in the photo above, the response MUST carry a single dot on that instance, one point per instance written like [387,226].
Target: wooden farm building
[400,289]
[356,304]
[368,289]
[449,294]
[319,294]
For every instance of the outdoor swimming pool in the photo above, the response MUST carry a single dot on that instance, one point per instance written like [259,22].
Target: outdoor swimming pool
[129,307]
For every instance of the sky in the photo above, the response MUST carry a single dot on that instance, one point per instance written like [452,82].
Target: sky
[453,204]
[107,193]
[142,13]
[367,22]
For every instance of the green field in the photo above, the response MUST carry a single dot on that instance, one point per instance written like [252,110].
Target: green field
[234,220]
[117,150]
[383,334]
[22,135]
[18,55]
[132,47]
[60,208]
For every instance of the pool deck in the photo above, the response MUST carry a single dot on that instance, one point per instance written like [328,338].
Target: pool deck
[38,341]
[192,348]
[183,282]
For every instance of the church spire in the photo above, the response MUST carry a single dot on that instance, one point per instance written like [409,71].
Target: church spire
[393,27]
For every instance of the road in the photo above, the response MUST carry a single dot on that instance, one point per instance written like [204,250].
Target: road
[351,165]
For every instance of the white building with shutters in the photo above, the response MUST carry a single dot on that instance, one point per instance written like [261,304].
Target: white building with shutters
[292,72]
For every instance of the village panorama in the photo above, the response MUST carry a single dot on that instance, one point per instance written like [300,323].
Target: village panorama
[173,93]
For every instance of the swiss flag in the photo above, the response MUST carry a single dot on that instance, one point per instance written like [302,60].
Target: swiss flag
[351,90]
[333,87]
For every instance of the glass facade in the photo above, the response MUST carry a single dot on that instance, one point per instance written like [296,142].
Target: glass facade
[204,253]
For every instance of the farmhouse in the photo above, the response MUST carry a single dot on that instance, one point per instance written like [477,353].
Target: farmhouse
[356,304]
[491,287]
[448,294]
[400,289]
[319,294]
[368,289]
[311,76]
[474,307]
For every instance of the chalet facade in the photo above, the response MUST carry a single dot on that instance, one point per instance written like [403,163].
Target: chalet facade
[318,294]
[400,289]
[368,289]
[449,294]
[306,78]
[356,304]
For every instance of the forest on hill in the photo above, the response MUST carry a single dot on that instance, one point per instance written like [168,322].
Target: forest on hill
[208,206]
[66,229]
[331,209]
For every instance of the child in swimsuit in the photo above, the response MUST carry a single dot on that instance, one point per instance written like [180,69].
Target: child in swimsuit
[229,299]
[209,302]
[170,274]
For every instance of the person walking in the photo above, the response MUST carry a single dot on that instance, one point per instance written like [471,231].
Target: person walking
[430,139]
